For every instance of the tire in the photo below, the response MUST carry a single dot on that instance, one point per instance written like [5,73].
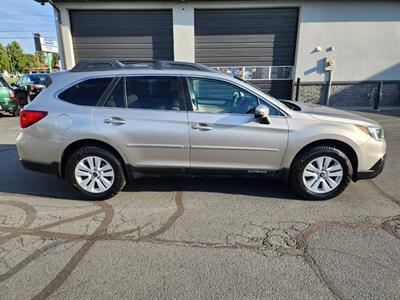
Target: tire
[330,184]
[94,187]
[16,112]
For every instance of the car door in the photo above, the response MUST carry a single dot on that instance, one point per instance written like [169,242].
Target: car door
[146,117]
[224,134]
[20,89]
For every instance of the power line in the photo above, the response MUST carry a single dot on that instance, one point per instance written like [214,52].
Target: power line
[27,31]
[25,37]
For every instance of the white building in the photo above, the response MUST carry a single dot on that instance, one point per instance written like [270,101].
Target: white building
[273,42]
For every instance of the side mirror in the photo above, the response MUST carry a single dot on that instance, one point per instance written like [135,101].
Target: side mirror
[261,112]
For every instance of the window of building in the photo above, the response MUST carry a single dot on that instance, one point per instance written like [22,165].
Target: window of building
[259,72]
[86,93]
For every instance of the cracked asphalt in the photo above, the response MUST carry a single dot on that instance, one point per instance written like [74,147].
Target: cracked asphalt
[200,238]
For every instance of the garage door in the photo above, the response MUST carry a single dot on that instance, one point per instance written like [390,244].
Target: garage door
[256,44]
[122,34]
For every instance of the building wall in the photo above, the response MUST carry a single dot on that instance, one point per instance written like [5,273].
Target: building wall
[365,36]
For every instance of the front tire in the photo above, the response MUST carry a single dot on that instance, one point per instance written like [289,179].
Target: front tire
[321,173]
[95,172]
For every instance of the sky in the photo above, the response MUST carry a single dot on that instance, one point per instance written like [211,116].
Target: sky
[20,18]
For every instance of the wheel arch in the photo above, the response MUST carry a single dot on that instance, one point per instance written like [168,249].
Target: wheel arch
[71,148]
[342,146]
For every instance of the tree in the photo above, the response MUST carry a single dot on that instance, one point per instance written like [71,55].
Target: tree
[16,56]
[31,61]
[4,62]
[56,59]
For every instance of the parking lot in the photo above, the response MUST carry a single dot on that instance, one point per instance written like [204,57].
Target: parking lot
[198,238]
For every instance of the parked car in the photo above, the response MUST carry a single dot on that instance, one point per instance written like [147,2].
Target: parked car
[103,123]
[28,86]
[8,101]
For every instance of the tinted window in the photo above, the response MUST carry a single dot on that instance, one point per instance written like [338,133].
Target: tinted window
[87,92]
[117,97]
[214,96]
[38,79]
[153,93]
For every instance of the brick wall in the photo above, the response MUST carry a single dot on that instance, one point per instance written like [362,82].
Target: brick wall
[350,93]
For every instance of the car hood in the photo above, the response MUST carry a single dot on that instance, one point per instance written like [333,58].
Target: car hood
[332,114]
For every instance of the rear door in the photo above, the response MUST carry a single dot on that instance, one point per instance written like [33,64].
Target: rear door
[224,133]
[146,117]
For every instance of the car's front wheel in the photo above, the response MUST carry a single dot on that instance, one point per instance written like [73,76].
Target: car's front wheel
[95,172]
[321,173]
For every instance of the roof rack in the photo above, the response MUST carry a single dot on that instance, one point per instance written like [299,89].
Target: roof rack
[108,65]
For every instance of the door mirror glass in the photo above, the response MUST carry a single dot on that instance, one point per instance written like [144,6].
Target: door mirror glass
[261,112]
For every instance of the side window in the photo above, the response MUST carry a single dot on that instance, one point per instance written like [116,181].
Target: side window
[117,96]
[20,81]
[153,92]
[215,96]
[86,93]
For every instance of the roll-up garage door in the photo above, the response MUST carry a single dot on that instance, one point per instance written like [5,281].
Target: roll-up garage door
[256,44]
[122,34]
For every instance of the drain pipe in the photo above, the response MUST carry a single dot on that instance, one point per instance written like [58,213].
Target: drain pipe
[328,92]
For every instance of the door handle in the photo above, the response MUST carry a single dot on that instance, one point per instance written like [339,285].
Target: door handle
[114,121]
[202,126]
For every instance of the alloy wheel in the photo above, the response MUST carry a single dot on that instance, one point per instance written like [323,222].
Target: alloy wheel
[94,174]
[322,175]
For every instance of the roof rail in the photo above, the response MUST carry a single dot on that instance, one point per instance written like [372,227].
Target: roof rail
[106,65]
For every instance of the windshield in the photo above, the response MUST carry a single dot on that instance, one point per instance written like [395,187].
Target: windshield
[38,79]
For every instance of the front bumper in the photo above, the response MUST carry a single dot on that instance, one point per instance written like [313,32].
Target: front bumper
[376,169]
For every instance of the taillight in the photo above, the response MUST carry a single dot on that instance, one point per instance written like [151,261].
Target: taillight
[12,95]
[29,117]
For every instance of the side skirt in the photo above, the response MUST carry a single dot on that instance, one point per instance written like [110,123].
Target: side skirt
[190,172]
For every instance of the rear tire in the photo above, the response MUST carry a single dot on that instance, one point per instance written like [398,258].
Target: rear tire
[321,173]
[95,172]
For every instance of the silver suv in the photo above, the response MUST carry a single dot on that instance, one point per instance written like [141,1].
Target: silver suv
[105,122]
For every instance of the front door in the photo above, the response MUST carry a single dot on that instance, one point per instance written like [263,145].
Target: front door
[148,122]
[224,133]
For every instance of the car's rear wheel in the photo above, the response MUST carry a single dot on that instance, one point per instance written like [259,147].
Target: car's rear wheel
[95,172]
[321,173]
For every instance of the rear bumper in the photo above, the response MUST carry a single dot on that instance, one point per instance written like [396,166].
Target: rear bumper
[376,169]
[53,168]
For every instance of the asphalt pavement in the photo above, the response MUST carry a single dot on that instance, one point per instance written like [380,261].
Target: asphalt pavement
[198,238]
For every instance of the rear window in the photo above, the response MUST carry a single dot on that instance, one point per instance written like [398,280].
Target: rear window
[39,79]
[87,92]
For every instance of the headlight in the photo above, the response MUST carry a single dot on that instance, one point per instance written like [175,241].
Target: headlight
[375,132]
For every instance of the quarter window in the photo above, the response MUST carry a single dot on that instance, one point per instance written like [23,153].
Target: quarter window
[86,93]
[214,96]
[153,92]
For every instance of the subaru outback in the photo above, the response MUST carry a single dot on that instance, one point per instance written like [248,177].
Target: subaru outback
[105,122]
